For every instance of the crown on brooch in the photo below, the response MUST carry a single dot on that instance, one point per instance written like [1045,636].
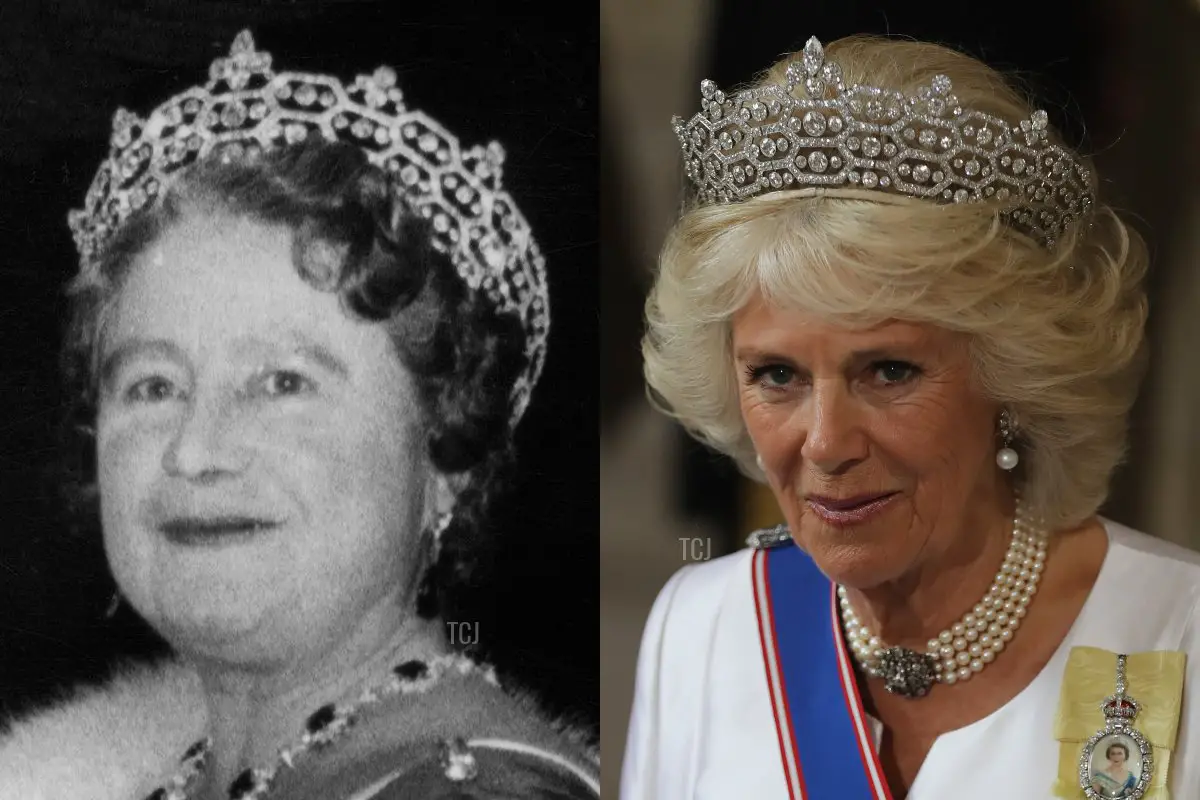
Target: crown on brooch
[246,108]
[1119,706]
[928,146]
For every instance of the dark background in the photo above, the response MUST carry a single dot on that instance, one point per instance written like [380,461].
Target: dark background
[526,77]
[1079,59]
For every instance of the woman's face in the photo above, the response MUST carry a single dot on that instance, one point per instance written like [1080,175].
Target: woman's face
[1116,757]
[840,415]
[263,477]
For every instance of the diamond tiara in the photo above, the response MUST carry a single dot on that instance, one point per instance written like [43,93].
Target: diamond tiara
[861,137]
[247,108]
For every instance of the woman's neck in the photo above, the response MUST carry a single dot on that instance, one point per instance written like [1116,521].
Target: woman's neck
[255,710]
[917,606]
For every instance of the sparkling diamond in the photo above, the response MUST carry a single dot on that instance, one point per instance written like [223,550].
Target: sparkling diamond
[295,133]
[920,173]
[814,55]
[233,115]
[871,147]
[817,162]
[927,138]
[814,123]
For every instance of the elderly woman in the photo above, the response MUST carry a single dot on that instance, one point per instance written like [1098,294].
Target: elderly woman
[896,300]
[305,326]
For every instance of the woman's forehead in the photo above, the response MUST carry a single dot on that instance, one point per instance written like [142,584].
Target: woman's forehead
[762,320]
[217,279]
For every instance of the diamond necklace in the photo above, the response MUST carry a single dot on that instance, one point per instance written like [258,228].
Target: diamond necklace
[966,647]
[329,723]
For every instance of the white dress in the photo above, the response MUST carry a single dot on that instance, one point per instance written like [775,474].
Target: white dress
[702,724]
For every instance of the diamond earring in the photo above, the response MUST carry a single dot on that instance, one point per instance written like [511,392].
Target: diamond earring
[1007,458]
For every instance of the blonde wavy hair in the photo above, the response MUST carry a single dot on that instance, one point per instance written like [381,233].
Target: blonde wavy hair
[1056,336]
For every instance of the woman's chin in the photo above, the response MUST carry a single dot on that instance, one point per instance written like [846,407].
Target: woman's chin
[859,563]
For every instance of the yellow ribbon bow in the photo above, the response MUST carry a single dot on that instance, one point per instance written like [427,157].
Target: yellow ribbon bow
[1154,680]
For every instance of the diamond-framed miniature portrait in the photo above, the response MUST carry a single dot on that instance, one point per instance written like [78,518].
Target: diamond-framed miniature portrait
[1116,763]
[1115,766]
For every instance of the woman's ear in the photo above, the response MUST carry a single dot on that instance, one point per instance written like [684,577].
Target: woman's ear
[442,496]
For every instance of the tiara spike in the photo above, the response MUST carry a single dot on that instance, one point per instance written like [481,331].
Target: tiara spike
[246,108]
[924,145]
[814,56]
[243,43]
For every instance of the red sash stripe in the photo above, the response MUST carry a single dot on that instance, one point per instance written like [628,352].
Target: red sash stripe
[766,635]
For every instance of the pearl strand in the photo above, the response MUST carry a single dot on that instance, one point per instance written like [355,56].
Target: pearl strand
[966,647]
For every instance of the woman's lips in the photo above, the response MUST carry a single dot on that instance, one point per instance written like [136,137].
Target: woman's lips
[850,511]
[211,531]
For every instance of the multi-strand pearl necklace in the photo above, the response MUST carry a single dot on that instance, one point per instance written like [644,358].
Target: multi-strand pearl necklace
[329,723]
[966,647]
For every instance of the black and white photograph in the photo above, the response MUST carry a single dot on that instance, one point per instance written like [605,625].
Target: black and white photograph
[297,373]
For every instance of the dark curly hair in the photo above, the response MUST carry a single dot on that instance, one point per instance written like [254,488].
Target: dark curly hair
[352,238]
[1121,745]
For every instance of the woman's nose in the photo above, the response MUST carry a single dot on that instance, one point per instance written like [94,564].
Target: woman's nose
[205,445]
[833,438]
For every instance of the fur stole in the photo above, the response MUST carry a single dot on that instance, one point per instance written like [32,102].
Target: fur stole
[121,740]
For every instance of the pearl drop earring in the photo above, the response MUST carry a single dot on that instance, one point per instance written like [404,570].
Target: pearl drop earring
[1006,457]
[758,460]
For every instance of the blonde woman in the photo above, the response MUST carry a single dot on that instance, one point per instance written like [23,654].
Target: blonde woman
[897,301]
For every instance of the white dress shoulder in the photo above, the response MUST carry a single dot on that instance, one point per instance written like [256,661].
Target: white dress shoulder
[702,725]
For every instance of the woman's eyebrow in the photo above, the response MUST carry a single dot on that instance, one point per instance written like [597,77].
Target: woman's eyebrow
[298,343]
[136,347]
[896,351]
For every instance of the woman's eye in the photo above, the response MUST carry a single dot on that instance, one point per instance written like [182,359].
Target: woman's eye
[286,383]
[771,376]
[894,373]
[151,390]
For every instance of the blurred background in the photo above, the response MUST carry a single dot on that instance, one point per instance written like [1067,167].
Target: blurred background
[1120,78]
[524,75]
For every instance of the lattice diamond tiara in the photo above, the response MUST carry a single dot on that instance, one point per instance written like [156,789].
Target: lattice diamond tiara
[765,139]
[246,108]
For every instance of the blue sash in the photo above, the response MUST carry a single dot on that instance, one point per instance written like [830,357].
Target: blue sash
[824,737]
